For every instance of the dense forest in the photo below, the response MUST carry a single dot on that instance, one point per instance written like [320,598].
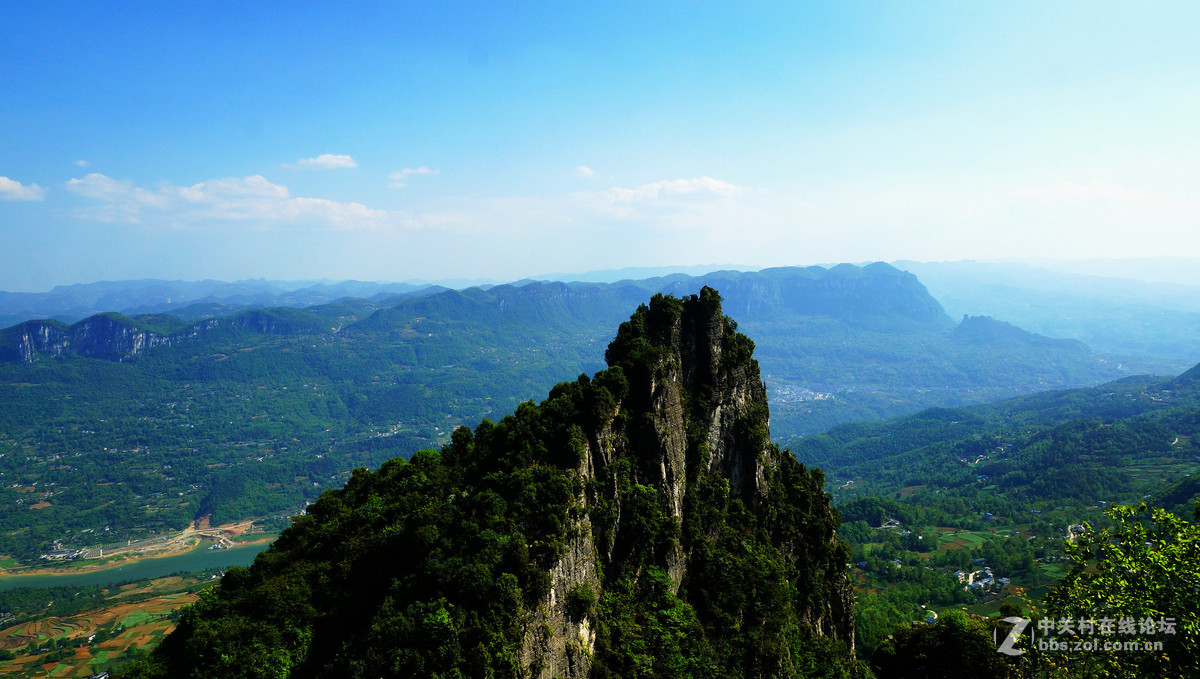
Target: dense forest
[941,492]
[266,412]
[122,427]
[635,523]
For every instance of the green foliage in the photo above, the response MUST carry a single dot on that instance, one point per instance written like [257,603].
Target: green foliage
[581,602]
[255,414]
[434,567]
[1145,566]
[25,603]
[957,646]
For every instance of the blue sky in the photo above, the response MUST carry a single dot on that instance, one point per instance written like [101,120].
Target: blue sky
[390,141]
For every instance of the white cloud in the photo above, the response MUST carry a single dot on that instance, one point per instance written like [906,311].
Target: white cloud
[81,163]
[325,161]
[399,179]
[11,189]
[717,211]
[674,187]
[250,200]
[675,195]
[585,172]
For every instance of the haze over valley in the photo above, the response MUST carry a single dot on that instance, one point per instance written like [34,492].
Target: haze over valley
[598,341]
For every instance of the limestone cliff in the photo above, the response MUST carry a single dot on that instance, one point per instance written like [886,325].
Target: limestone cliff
[114,337]
[635,523]
[696,407]
[106,336]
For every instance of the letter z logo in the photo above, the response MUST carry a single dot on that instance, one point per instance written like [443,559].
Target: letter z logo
[1008,648]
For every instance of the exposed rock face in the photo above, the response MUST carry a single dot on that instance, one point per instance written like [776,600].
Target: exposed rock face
[114,337]
[27,340]
[698,407]
[635,523]
[106,336]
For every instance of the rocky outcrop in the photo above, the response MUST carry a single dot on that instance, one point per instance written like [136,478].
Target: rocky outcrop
[637,522]
[696,405]
[105,336]
[114,337]
[111,337]
[23,343]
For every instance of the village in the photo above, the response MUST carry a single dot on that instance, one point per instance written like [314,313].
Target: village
[218,537]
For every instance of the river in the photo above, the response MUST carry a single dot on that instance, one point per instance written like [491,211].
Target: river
[197,559]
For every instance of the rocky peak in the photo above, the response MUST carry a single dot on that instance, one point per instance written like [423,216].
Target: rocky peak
[694,415]
[637,522]
[692,373]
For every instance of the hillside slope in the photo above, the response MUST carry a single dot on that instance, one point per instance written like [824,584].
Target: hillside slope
[128,425]
[636,523]
[1123,441]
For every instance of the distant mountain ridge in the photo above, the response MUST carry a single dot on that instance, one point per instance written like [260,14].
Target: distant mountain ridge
[1130,439]
[842,344]
[198,300]
[985,330]
[189,300]
[253,413]
[847,292]
[116,337]
[1110,314]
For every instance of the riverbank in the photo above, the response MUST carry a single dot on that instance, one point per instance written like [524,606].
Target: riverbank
[192,538]
[122,560]
[198,558]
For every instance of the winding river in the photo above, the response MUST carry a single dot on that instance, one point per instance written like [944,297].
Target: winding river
[198,559]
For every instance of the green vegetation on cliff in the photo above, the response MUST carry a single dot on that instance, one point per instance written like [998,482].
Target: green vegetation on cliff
[635,524]
[117,426]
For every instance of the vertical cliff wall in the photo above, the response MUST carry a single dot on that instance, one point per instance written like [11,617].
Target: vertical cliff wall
[689,428]
[635,523]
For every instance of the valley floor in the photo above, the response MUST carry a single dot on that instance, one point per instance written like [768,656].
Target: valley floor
[102,558]
[133,619]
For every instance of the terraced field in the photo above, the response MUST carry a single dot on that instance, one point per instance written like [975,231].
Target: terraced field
[134,620]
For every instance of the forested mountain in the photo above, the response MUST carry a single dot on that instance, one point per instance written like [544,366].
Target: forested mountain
[929,499]
[147,422]
[636,523]
[186,300]
[1122,441]
[1110,313]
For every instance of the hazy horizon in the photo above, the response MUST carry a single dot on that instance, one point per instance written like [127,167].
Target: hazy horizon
[467,141]
[1159,270]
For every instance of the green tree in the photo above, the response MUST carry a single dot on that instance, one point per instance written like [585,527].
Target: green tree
[957,646]
[1145,567]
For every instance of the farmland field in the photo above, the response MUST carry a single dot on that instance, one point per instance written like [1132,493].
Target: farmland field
[131,620]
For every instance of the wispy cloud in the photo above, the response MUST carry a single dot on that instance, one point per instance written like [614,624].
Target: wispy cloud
[11,189]
[585,172]
[81,163]
[399,179]
[716,209]
[670,195]
[675,187]
[325,161]
[249,200]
